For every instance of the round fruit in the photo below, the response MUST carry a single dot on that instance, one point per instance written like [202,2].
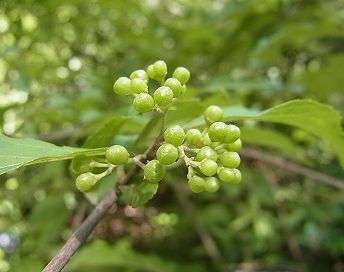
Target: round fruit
[163,96]
[150,72]
[122,86]
[218,131]
[174,135]
[235,146]
[233,134]
[174,85]
[182,74]
[154,171]
[117,155]
[138,85]
[206,140]
[167,154]
[139,74]
[206,152]
[208,167]
[143,102]
[229,175]
[213,114]
[81,164]
[212,184]
[160,69]
[196,184]
[193,136]
[237,176]
[85,181]
[230,159]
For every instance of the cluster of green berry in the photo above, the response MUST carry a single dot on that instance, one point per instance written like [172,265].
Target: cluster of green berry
[211,155]
[137,86]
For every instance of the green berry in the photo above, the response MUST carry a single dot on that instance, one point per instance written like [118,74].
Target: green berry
[213,114]
[138,85]
[196,184]
[182,74]
[81,164]
[154,171]
[174,135]
[174,85]
[208,167]
[206,140]
[193,136]
[160,69]
[163,96]
[117,155]
[212,184]
[85,182]
[235,146]
[233,134]
[206,152]
[218,131]
[139,74]
[167,154]
[122,86]
[143,102]
[230,159]
[150,72]
[229,175]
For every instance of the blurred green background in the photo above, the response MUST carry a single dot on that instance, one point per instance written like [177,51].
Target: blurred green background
[58,62]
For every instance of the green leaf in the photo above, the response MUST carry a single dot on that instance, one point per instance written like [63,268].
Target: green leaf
[106,131]
[315,118]
[15,153]
[272,139]
[318,119]
[138,193]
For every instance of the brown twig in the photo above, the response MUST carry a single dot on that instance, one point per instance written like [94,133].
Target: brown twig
[84,230]
[293,167]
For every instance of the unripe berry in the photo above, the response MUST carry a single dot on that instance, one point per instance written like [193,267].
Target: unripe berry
[174,135]
[139,74]
[143,102]
[167,154]
[213,114]
[236,146]
[208,167]
[154,171]
[117,155]
[150,72]
[174,85]
[206,140]
[160,69]
[163,96]
[85,182]
[122,86]
[206,153]
[138,85]
[212,184]
[196,184]
[233,134]
[218,131]
[229,175]
[182,74]
[230,159]
[193,136]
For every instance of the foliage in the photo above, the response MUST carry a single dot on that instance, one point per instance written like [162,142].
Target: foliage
[275,66]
